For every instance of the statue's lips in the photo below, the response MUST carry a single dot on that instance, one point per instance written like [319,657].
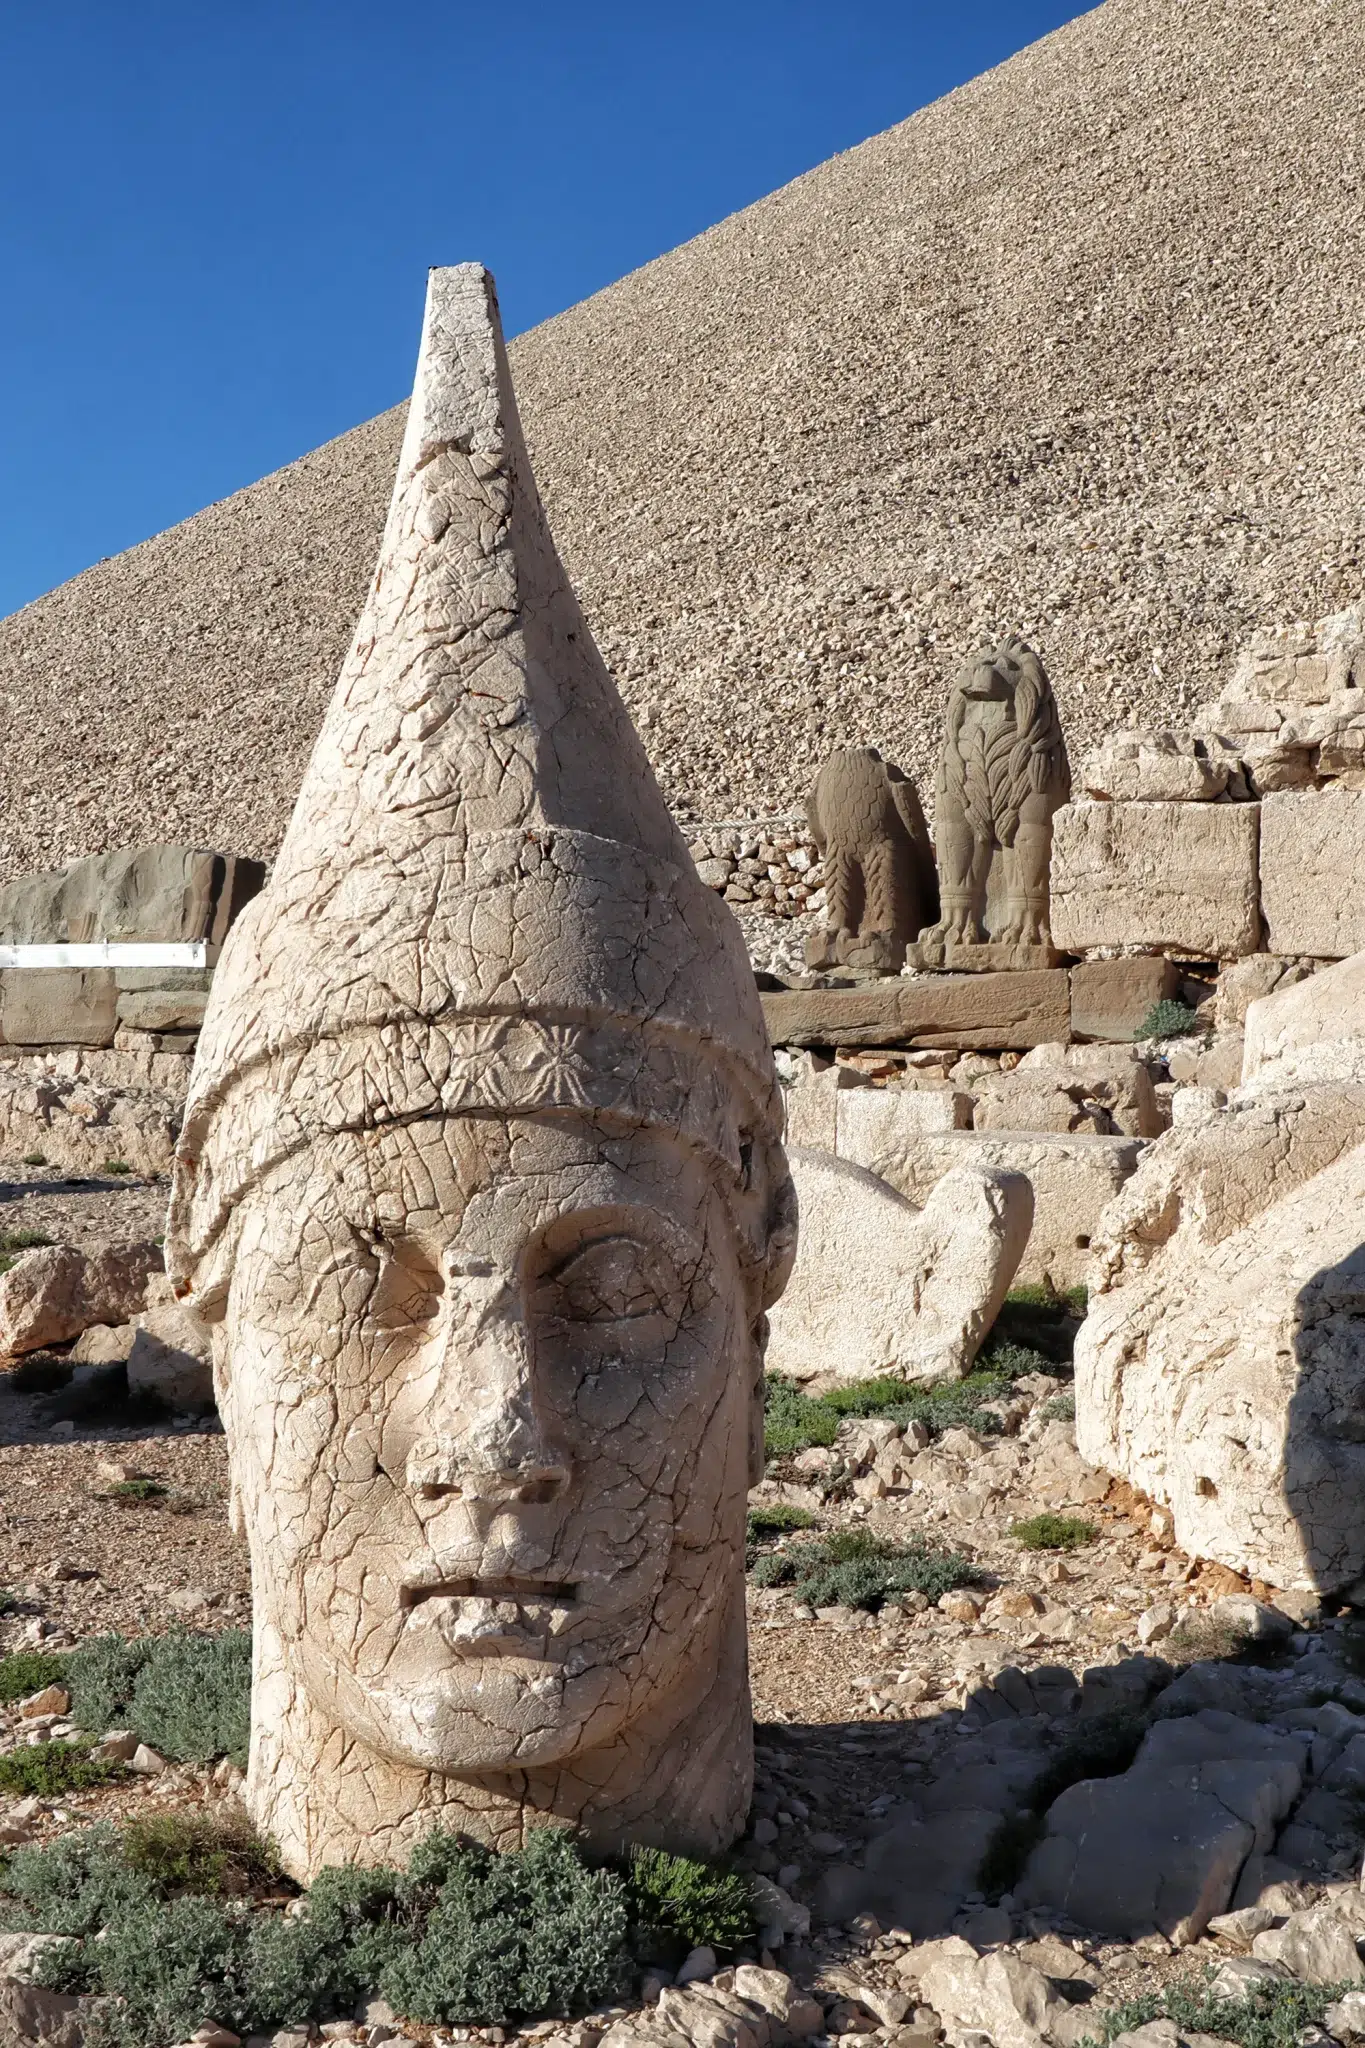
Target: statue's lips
[524,1592]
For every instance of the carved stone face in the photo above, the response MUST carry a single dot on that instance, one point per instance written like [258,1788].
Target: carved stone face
[490,1389]
[992,673]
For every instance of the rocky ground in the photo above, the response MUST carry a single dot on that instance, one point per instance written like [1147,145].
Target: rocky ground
[892,1746]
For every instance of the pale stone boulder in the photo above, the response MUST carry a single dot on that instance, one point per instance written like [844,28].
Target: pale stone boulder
[1155,767]
[1312,861]
[1073,1175]
[1308,1032]
[1176,876]
[1112,1078]
[880,1288]
[1031,1102]
[1220,1369]
[57,1291]
[171,1358]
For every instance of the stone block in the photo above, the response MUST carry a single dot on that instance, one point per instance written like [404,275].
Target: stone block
[170,1358]
[881,1287]
[1177,877]
[1313,872]
[998,1012]
[58,1006]
[1114,1080]
[1311,1030]
[1028,1102]
[1111,999]
[1161,767]
[161,1010]
[57,1291]
[1073,1176]
[167,893]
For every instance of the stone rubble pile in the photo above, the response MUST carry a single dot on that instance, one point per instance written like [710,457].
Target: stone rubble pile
[768,864]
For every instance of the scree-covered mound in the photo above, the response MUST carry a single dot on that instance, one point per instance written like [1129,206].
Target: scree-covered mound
[1078,350]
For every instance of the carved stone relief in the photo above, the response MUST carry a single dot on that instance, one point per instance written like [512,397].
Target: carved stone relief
[880,884]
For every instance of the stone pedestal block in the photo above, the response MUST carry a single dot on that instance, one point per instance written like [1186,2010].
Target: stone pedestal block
[1181,878]
[999,1012]
[1312,869]
[1111,999]
[58,1005]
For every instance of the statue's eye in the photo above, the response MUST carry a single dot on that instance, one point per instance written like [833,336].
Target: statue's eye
[616,1280]
[408,1287]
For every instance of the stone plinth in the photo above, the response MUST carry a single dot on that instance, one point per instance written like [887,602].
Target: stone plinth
[999,1012]
[58,1005]
[1178,877]
[1313,872]
[1112,999]
[949,956]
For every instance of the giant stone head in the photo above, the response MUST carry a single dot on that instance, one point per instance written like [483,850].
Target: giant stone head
[481,1190]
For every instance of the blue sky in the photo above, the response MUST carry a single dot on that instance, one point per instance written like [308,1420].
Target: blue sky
[216,216]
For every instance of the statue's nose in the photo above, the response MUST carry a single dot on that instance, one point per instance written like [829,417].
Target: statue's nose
[485,1433]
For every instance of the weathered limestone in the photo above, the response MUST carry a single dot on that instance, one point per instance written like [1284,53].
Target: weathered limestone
[1155,767]
[1073,1177]
[171,1358]
[1312,861]
[1220,1368]
[1113,1080]
[1002,1012]
[1112,999]
[58,1006]
[481,1193]
[880,882]
[1002,774]
[168,893]
[880,1288]
[1308,1031]
[80,1125]
[57,1291]
[1173,876]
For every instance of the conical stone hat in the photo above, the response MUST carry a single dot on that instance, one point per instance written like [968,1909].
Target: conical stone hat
[481,904]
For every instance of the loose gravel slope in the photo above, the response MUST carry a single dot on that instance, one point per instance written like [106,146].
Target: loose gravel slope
[1078,349]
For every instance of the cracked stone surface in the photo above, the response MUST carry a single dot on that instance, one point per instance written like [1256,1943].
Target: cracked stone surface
[480,1188]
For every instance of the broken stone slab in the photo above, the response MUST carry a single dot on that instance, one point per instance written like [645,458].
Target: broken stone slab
[1176,877]
[58,1006]
[1003,1012]
[797,2014]
[1318,1946]
[1112,999]
[1312,845]
[161,1010]
[171,1358]
[1308,1032]
[1114,1078]
[1032,1102]
[57,1291]
[1216,1361]
[880,1288]
[1155,767]
[1156,1847]
[998,1995]
[1074,1176]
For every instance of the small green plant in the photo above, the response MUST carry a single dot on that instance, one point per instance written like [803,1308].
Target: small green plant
[24,1240]
[35,1159]
[117,1166]
[677,1904]
[1061,1408]
[1268,2015]
[48,1769]
[1200,1639]
[134,1492]
[854,1568]
[28,1671]
[775,1519]
[195,1852]
[794,1421]
[1053,1532]
[1168,1019]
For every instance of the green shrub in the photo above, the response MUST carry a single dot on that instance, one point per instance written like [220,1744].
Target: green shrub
[117,1166]
[28,1671]
[792,1421]
[677,1904]
[34,1159]
[508,1937]
[196,1852]
[854,1568]
[24,1240]
[188,1696]
[775,1519]
[1053,1532]
[1168,1019]
[134,1492]
[463,1935]
[51,1768]
[1268,2015]
[1061,1408]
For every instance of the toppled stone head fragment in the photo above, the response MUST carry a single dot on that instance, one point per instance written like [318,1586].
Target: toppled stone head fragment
[481,1188]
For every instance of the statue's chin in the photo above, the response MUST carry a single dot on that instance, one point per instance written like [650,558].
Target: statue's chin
[485,1715]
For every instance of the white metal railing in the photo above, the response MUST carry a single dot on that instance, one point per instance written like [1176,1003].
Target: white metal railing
[113,953]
